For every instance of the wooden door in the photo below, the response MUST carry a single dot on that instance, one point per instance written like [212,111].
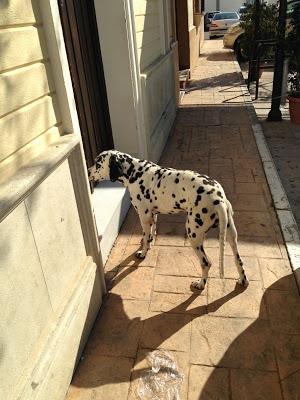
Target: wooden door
[84,55]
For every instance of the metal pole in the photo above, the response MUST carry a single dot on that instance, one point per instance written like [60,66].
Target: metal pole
[256,36]
[275,112]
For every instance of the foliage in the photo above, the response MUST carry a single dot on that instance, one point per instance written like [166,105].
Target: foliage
[268,28]
[293,51]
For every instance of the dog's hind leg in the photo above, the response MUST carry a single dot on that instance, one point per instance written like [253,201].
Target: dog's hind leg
[196,237]
[205,266]
[232,238]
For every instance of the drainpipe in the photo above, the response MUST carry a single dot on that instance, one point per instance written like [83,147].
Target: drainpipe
[275,112]
[217,5]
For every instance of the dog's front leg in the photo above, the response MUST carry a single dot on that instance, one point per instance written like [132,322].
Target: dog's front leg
[153,230]
[146,224]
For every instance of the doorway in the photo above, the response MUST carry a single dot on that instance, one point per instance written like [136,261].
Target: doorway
[84,56]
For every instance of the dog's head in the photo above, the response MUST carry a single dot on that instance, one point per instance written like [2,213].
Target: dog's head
[108,166]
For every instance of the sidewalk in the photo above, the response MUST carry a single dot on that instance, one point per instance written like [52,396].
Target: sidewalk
[229,343]
[283,140]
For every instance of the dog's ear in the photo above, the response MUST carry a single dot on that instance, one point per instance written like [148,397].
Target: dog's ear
[115,168]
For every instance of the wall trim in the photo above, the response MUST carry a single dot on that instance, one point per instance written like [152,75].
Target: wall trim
[65,95]
[15,189]
[136,79]
[47,374]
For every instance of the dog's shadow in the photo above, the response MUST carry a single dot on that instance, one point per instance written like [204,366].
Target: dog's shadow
[123,269]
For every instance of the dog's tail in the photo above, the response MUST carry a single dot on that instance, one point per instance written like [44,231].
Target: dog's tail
[223,209]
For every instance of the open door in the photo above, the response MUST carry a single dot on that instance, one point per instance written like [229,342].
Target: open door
[84,55]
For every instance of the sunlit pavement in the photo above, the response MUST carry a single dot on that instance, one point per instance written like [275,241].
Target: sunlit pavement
[283,140]
[229,343]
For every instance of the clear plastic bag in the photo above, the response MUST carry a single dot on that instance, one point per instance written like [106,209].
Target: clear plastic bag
[162,381]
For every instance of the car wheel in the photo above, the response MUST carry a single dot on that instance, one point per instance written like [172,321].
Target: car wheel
[240,55]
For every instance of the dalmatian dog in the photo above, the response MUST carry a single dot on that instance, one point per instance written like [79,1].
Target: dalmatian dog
[155,190]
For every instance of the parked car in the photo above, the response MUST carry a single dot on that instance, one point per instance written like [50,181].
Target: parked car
[208,18]
[232,40]
[221,22]
[242,10]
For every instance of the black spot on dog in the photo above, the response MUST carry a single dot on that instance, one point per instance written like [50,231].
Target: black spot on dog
[200,189]
[216,223]
[213,216]
[182,201]
[193,235]
[205,261]
[216,202]
[198,199]
[177,206]
[199,221]
[139,197]
[204,210]
[173,195]
[176,180]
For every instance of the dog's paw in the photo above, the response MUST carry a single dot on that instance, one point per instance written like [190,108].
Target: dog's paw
[243,282]
[199,285]
[140,254]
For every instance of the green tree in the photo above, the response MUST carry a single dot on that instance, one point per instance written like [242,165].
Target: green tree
[293,50]
[268,28]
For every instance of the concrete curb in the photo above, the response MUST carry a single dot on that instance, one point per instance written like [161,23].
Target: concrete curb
[282,206]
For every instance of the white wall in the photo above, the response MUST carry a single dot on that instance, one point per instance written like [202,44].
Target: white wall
[225,5]
[138,63]
[112,26]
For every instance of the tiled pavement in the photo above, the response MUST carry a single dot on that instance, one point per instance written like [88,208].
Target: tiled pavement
[229,343]
[283,140]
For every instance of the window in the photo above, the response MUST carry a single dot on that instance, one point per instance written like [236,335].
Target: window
[225,16]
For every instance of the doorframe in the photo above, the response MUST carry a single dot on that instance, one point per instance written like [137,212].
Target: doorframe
[65,95]
[81,38]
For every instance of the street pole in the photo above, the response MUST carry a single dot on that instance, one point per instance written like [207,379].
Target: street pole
[256,36]
[275,112]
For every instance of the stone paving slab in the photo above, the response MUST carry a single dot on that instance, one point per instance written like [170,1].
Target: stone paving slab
[229,342]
